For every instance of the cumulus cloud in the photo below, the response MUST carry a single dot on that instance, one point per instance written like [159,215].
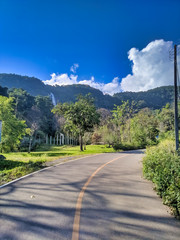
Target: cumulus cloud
[112,87]
[151,67]
[61,79]
[65,79]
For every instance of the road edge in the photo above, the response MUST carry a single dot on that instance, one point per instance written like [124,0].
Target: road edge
[46,168]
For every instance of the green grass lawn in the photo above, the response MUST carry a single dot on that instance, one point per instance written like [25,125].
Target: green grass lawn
[18,164]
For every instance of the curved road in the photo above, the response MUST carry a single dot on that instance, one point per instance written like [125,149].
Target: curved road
[97,197]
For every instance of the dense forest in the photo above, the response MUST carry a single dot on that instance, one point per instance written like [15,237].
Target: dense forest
[155,98]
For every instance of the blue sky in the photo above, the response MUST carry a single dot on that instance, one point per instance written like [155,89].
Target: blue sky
[44,37]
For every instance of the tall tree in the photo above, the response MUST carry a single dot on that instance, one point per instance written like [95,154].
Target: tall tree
[166,119]
[121,118]
[144,128]
[13,130]
[46,121]
[81,115]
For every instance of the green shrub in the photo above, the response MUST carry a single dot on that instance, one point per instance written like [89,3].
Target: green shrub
[124,146]
[162,166]
[24,146]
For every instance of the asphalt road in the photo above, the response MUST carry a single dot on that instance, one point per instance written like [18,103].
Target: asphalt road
[98,197]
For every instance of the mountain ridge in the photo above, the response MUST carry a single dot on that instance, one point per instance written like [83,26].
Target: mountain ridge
[154,98]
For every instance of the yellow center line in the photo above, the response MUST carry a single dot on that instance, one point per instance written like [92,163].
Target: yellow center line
[75,233]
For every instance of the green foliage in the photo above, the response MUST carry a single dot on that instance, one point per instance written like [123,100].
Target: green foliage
[129,129]
[23,101]
[36,111]
[121,119]
[154,98]
[166,119]
[107,135]
[80,116]
[12,129]
[24,146]
[43,103]
[144,128]
[124,146]
[123,112]
[162,166]
[45,120]
[87,138]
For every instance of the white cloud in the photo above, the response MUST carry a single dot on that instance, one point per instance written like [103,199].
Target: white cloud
[74,67]
[112,87]
[151,67]
[61,79]
[109,88]
[65,79]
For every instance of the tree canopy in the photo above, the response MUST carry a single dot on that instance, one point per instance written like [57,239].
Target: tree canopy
[80,116]
[12,129]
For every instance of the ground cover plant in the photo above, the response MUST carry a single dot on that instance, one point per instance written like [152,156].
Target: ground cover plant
[161,165]
[18,164]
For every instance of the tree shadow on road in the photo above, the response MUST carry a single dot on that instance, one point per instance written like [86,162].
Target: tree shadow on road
[46,209]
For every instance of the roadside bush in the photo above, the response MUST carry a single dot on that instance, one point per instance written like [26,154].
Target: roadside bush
[162,166]
[124,146]
[24,147]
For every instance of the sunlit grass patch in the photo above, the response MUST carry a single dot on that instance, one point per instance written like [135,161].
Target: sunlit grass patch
[18,164]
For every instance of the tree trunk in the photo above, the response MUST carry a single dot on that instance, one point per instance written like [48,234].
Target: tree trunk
[30,143]
[81,143]
[129,130]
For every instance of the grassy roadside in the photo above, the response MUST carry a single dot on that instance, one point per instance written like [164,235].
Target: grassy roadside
[18,164]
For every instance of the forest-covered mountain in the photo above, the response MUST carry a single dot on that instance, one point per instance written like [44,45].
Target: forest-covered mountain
[35,87]
[155,98]
[32,85]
